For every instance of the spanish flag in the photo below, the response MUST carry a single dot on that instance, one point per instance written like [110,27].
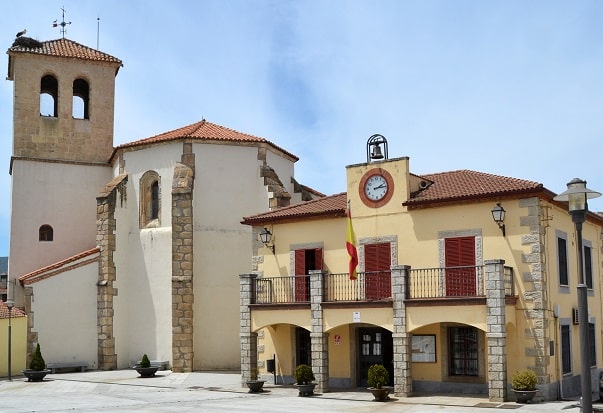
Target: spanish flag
[350,245]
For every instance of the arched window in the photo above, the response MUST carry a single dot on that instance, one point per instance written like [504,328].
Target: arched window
[80,99]
[49,96]
[150,200]
[45,233]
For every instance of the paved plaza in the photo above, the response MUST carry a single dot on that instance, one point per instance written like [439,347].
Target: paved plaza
[124,391]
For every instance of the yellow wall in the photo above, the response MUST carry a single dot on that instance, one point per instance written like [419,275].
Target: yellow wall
[18,346]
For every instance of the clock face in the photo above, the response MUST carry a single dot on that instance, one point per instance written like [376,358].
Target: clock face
[376,187]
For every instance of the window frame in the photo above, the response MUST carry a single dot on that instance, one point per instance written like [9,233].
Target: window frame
[565,342]
[45,233]
[562,262]
[150,200]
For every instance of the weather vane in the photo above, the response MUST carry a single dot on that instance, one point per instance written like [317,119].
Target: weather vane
[63,23]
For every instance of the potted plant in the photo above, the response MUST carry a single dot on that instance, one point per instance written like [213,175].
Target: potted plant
[37,367]
[144,368]
[378,377]
[303,380]
[523,383]
[255,384]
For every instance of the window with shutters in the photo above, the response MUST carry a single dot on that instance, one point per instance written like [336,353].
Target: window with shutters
[305,260]
[461,274]
[562,267]
[588,265]
[377,271]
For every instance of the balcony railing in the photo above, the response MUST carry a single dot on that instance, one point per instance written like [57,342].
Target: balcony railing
[369,286]
[429,283]
[452,282]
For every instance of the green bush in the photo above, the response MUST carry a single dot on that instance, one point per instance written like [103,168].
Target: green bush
[37,361]
[303,374]
[524,380]
[145,362]
[377,376]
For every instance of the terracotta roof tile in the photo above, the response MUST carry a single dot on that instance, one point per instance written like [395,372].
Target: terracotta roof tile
[205,131]
[15,312]
[446,187]
[334,205]
[57,267]
[466,184]
[61,48]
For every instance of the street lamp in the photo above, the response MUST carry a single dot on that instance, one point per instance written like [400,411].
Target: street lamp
[9,305]
[577,196]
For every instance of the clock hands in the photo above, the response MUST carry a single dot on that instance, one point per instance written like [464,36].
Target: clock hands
[380,186]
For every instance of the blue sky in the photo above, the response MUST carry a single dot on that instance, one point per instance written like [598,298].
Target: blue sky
[513,88]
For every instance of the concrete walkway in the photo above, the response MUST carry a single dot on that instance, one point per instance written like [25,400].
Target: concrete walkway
[124,391]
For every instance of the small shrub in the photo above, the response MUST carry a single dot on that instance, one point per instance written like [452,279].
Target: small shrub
[377,376]
[304,374]
[524,380]
[37,361]
[145,362]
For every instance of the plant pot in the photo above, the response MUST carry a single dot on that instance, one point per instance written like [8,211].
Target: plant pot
[380,394]
[255,386]
[35,375]
[305,389]
[524,396]
[146,371]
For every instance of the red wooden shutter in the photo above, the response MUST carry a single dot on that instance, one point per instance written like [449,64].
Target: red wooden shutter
[377,265]
[460,252]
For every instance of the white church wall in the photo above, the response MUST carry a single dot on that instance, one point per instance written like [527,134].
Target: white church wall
[227,187]
[64,313]
[143,308]
[60,195]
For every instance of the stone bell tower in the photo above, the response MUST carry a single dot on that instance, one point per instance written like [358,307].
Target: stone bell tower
[62,140]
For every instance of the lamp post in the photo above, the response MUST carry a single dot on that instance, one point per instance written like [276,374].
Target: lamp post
[577,196]
[9,305]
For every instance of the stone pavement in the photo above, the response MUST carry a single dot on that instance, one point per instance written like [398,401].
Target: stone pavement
[124,391]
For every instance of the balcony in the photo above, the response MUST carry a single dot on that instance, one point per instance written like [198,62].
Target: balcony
[370,287]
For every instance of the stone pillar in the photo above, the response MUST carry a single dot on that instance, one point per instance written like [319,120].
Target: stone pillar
[537,333]
[249,340]
[182,269]
[106,241]
[496,331]
[401,338]
[319,339]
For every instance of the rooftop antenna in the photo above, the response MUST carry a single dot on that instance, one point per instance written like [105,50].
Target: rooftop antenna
[63,23]
[97,30]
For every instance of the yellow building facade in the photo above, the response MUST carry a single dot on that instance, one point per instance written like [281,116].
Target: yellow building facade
[447,299]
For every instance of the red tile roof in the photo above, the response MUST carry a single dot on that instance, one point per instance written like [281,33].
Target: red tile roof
[205,131]
[61,48]
[465,184]
[59,267]
[451,186]
[15,312]
[333,206]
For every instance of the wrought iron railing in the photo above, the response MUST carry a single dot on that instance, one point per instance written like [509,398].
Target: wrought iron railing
[425,283]
[369,286]
[275,290]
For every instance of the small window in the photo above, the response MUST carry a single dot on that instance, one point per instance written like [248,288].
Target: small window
[80,99]
[49,96]
[46,233]
[588,266]
[150,200]
[562,261]
[566,352]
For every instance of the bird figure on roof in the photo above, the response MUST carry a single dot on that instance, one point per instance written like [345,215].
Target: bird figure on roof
[22,32]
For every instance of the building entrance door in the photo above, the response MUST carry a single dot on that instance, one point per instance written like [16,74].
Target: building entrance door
[375,346]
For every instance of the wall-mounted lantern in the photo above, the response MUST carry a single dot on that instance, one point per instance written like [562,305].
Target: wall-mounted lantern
[266,237]
[498,214]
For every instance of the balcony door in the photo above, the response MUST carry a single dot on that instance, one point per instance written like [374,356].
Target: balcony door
[305,260]
[377,268]
[460,252]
